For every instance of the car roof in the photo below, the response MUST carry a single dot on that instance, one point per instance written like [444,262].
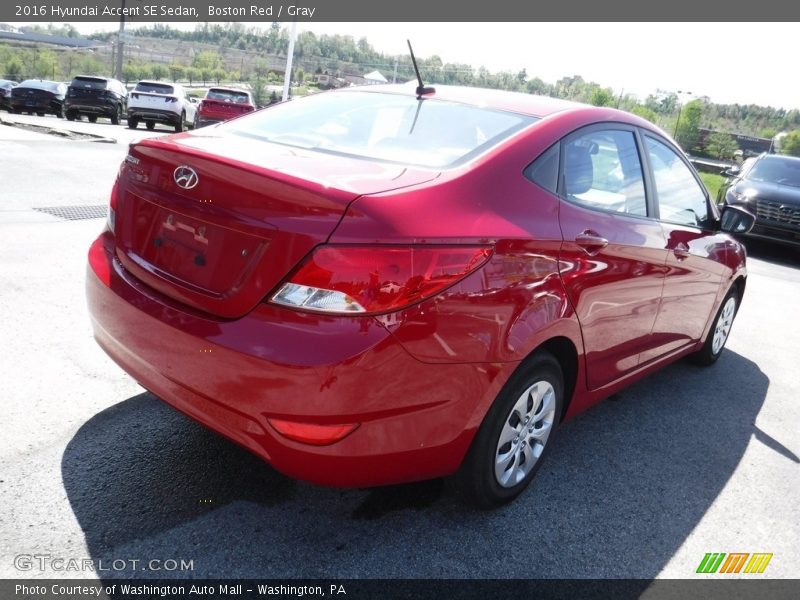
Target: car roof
[519,102]
[782,157]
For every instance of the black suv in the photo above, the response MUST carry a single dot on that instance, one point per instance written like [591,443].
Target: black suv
[96,97]
[769,187]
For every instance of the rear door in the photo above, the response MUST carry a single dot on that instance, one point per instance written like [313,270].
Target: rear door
[613,255]
[695,252]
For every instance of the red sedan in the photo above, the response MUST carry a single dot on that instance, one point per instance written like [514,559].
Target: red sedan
[368,286]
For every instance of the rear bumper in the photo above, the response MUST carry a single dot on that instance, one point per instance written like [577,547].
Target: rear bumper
[99,108]
[203,121]
[151,114]
[416,420]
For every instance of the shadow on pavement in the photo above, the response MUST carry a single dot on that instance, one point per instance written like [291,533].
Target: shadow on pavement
[623,487]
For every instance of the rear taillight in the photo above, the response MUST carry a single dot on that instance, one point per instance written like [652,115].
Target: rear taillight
[201,105]
[376,279]
[111,220]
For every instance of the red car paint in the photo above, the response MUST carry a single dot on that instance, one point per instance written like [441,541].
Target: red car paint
[221,104]
[405,390]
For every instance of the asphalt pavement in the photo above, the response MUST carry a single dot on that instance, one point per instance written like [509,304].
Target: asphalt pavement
[686,462]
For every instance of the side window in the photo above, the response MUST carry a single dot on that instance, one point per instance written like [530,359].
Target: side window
[602,170]
[544,170]
[680,197]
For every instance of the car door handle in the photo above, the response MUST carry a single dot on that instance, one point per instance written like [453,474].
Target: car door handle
[681,251]
[591,241]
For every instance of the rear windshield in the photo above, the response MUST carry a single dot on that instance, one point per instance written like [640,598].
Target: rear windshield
[37,84]
[154,88]
[390,127]
[89,82]
[228,96]
[783,171]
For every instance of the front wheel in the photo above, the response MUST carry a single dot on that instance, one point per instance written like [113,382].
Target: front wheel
[718,335]
[513,438]
[133,123]
[179,126]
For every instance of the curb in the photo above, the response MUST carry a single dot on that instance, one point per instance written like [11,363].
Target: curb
[60,132]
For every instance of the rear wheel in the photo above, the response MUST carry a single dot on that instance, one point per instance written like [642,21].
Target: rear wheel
[133,122]
[117,116]
[92,118]
[60,112]
[718,335]
[179,126]
[513,438]
[40,114]
[150,125]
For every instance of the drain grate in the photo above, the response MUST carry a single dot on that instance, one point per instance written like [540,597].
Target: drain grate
[76,213]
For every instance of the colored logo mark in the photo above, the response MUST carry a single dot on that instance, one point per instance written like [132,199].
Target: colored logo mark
[720,562]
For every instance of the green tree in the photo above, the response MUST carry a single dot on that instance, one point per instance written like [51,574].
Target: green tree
[130,73]
[219,75]
[193,75]
[258,89]
[159,71]
[205,74]
[688,125]
[177,71]
[14,68]
[646,113]
[721,145]
[768,133]
[207,60]
[601,97]
[790,144]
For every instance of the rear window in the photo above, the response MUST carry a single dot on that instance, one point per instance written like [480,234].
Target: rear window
[154,88]
[89,83]
[389,127]
[228,96]
[774,169]
[38,84]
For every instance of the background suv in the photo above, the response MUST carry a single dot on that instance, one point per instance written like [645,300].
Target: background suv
[158,102]
[96,97]
[221,104]
[769,187]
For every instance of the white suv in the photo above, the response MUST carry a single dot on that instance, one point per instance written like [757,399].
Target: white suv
[158,102]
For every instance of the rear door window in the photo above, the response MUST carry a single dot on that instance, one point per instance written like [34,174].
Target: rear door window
[601,169]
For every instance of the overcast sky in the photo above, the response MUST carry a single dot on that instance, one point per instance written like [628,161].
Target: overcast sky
[729,62]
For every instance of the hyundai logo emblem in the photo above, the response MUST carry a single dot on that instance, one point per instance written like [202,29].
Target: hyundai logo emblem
[185,177]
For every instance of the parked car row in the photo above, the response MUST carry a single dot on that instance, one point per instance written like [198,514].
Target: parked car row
[149,102]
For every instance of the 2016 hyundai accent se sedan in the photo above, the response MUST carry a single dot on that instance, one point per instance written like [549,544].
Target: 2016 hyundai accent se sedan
[368,286]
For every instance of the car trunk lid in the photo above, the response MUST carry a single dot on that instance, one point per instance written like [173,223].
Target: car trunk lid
[245,215]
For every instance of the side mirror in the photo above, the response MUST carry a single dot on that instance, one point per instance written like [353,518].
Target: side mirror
[732,171]
[736,220]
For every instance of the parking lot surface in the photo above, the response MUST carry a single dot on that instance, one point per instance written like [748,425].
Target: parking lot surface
[688,461]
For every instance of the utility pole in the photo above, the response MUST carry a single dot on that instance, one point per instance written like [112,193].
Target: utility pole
[120,42]
[680,108]
[287,77]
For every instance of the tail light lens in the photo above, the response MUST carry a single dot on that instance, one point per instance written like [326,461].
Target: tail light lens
[201,105]
[111,219]
[376,279]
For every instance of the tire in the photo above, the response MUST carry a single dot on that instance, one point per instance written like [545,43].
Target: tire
[60,113]
[179,126]
[150,125]
[71,115]
[117,116]
[719,332]
[39,114]
[92,118]
[194,122]
[509,447]
[133,122]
